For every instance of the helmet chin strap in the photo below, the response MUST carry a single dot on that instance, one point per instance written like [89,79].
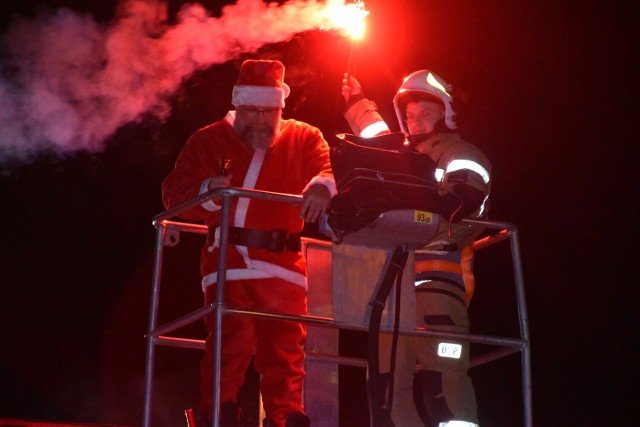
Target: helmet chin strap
[417,139]
[440,127]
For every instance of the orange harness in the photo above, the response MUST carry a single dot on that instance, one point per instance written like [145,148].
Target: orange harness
[463,269]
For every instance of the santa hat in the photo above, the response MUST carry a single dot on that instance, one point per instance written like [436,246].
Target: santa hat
[260,83]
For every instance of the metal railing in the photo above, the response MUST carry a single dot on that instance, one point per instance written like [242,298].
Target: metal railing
[168,234]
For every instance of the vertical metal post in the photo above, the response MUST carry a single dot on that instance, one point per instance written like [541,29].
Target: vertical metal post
[222,275]
[524,329]
[153,319]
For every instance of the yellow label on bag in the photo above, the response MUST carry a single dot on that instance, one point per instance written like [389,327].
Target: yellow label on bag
[422,216]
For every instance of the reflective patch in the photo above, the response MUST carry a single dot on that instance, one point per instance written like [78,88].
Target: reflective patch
[374,129]
[453,351]
[454,423]
[458,164]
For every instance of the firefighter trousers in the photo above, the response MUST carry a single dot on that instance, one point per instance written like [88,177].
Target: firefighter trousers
[444,390]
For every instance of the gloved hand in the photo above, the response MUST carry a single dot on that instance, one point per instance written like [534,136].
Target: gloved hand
[460,202]
[350,87]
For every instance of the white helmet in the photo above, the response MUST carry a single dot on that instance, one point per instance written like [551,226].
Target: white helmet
[424,85]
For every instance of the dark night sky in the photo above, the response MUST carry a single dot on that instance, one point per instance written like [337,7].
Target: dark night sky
[553,94]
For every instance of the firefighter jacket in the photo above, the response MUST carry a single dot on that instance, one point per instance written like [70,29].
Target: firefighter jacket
[464,176]
[298,159]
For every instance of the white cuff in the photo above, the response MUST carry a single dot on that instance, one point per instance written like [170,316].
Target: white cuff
[209,205]
[323,180]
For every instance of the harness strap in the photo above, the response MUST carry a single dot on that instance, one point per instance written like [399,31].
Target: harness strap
[438,265]
[468,278]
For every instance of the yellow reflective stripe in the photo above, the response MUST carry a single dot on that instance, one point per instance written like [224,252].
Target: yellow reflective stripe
[436,84]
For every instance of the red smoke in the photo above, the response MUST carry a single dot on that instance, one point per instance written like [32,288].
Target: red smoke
[72,82]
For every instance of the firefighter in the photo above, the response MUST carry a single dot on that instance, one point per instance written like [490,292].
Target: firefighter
[444,280]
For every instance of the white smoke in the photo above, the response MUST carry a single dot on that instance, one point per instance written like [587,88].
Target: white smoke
[69,82]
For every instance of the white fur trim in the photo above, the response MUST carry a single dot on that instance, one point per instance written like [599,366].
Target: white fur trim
[243,202]
[263,270]
[323,180]
[209,205]
[281,272]
[264,96]
[234,274]
[249,182]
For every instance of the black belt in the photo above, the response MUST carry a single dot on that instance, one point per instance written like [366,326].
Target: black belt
[272,240]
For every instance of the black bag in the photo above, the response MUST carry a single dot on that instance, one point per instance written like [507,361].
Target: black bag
[375,175]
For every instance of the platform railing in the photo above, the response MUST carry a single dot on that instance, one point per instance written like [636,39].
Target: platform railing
[168,234]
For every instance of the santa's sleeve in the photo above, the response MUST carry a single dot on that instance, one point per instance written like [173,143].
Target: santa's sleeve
[189,178]
[317,161]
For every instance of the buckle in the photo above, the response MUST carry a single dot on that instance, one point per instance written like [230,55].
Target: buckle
[278,241]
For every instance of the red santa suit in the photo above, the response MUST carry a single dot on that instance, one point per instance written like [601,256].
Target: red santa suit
[257,278]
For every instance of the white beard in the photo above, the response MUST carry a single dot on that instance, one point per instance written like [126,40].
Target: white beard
[257,136]
[261,138]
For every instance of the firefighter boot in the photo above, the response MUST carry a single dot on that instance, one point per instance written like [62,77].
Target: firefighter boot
[433,397]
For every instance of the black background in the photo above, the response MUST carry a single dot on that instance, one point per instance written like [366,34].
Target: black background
[553,93]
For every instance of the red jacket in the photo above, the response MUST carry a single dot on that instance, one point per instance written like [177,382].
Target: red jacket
[297,160]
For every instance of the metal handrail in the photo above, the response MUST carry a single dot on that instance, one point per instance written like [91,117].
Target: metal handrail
[156,335]
[221,192]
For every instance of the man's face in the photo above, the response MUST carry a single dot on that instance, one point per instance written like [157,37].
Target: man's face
[257,126]
[422,116]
